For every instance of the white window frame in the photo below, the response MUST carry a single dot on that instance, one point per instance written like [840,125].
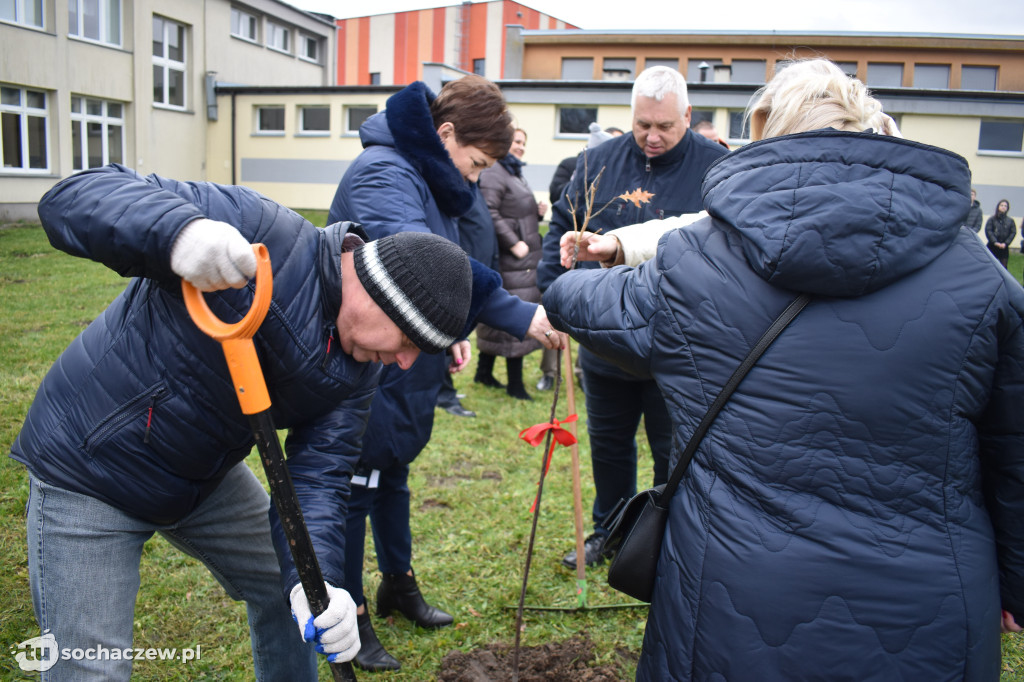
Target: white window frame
[19,13]
[735,141]
[315,132]
[305,40]
[240,18]
[169,65]
[582,135]
[271,132]
[81,118]
[983,151]
[274,30]
[347,116]
[23,111]
[107,10]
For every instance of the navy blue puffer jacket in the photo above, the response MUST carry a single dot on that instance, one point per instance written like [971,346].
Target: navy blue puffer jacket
[139,411]
[404,181]
[856,511]
[673,179]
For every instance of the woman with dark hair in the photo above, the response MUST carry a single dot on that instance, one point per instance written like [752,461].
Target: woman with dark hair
[1000,231]
[419,156]
[516,216]
[856,504]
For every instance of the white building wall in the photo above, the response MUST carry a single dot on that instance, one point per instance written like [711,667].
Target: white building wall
[382,47]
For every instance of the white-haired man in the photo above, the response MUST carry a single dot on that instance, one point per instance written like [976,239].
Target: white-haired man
[660,157]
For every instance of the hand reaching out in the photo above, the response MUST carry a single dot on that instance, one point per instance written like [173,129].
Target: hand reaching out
[542,330]
[593,247]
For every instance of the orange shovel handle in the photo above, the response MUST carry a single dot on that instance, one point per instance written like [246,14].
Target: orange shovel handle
[236,339]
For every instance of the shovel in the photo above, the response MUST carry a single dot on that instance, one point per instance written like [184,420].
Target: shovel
[251,390]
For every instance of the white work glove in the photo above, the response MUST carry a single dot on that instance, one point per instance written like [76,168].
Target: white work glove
[335,631]
[211,255]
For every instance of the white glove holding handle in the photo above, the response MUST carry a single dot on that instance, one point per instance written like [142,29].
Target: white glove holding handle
[211,255]
[335,631]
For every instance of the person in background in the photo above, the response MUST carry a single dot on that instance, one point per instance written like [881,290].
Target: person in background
[420,156]
[516,215]
[856,505]
[973,221]
[664,159]
[136,429]
[1000,231]
[707,129]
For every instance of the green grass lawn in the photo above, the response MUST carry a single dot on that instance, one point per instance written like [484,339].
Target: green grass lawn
[471,492]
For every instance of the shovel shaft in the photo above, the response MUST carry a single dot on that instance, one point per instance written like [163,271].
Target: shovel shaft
[254,399]
[290,512]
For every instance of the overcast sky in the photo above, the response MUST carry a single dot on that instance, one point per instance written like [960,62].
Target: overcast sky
[998,17]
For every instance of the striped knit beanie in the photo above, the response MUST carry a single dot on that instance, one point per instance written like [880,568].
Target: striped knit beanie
[422,281]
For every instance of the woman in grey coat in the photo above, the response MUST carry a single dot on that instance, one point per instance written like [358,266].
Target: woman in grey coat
[516,216]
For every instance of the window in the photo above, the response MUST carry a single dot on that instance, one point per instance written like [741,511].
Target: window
[278,37]
[618,69]
[97,132]
[931,76]
[849,68]
[1001,136]
[670,63]
[23,124]
[698,115]
[749,70]
[479,66]
[270,120]
[577,69]
[168,63]
[375,78]
[978,77]
[25,12]
[243,25]
[885,75]
[739,129]
[315,120]
[576,120]
[309,48]
[695,74]
[356,116]
[98,20]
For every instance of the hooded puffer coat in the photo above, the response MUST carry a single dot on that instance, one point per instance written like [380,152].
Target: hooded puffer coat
[856,511]
[139,411]
[404,180]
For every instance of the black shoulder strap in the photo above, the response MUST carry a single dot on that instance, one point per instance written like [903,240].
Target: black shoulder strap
[760,347]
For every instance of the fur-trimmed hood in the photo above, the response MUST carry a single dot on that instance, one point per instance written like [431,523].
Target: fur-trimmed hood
[406,125]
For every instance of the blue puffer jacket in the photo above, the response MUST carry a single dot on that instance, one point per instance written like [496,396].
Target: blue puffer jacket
[404,180]
[673,179]
[856,511]
[139,411]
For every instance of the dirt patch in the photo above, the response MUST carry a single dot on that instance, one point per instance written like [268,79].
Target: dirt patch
[561,661]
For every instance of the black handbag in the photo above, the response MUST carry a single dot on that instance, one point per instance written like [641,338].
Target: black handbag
[637,531]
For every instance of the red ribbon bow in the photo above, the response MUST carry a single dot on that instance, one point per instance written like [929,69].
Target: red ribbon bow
[534,435]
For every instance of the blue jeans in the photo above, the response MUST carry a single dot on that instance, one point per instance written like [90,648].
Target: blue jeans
[614,408]
[84,558]
[387,505]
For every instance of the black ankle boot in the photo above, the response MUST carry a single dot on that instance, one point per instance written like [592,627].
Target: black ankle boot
[399,592]
[372,655]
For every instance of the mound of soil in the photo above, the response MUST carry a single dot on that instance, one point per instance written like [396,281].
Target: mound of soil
[561,661]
